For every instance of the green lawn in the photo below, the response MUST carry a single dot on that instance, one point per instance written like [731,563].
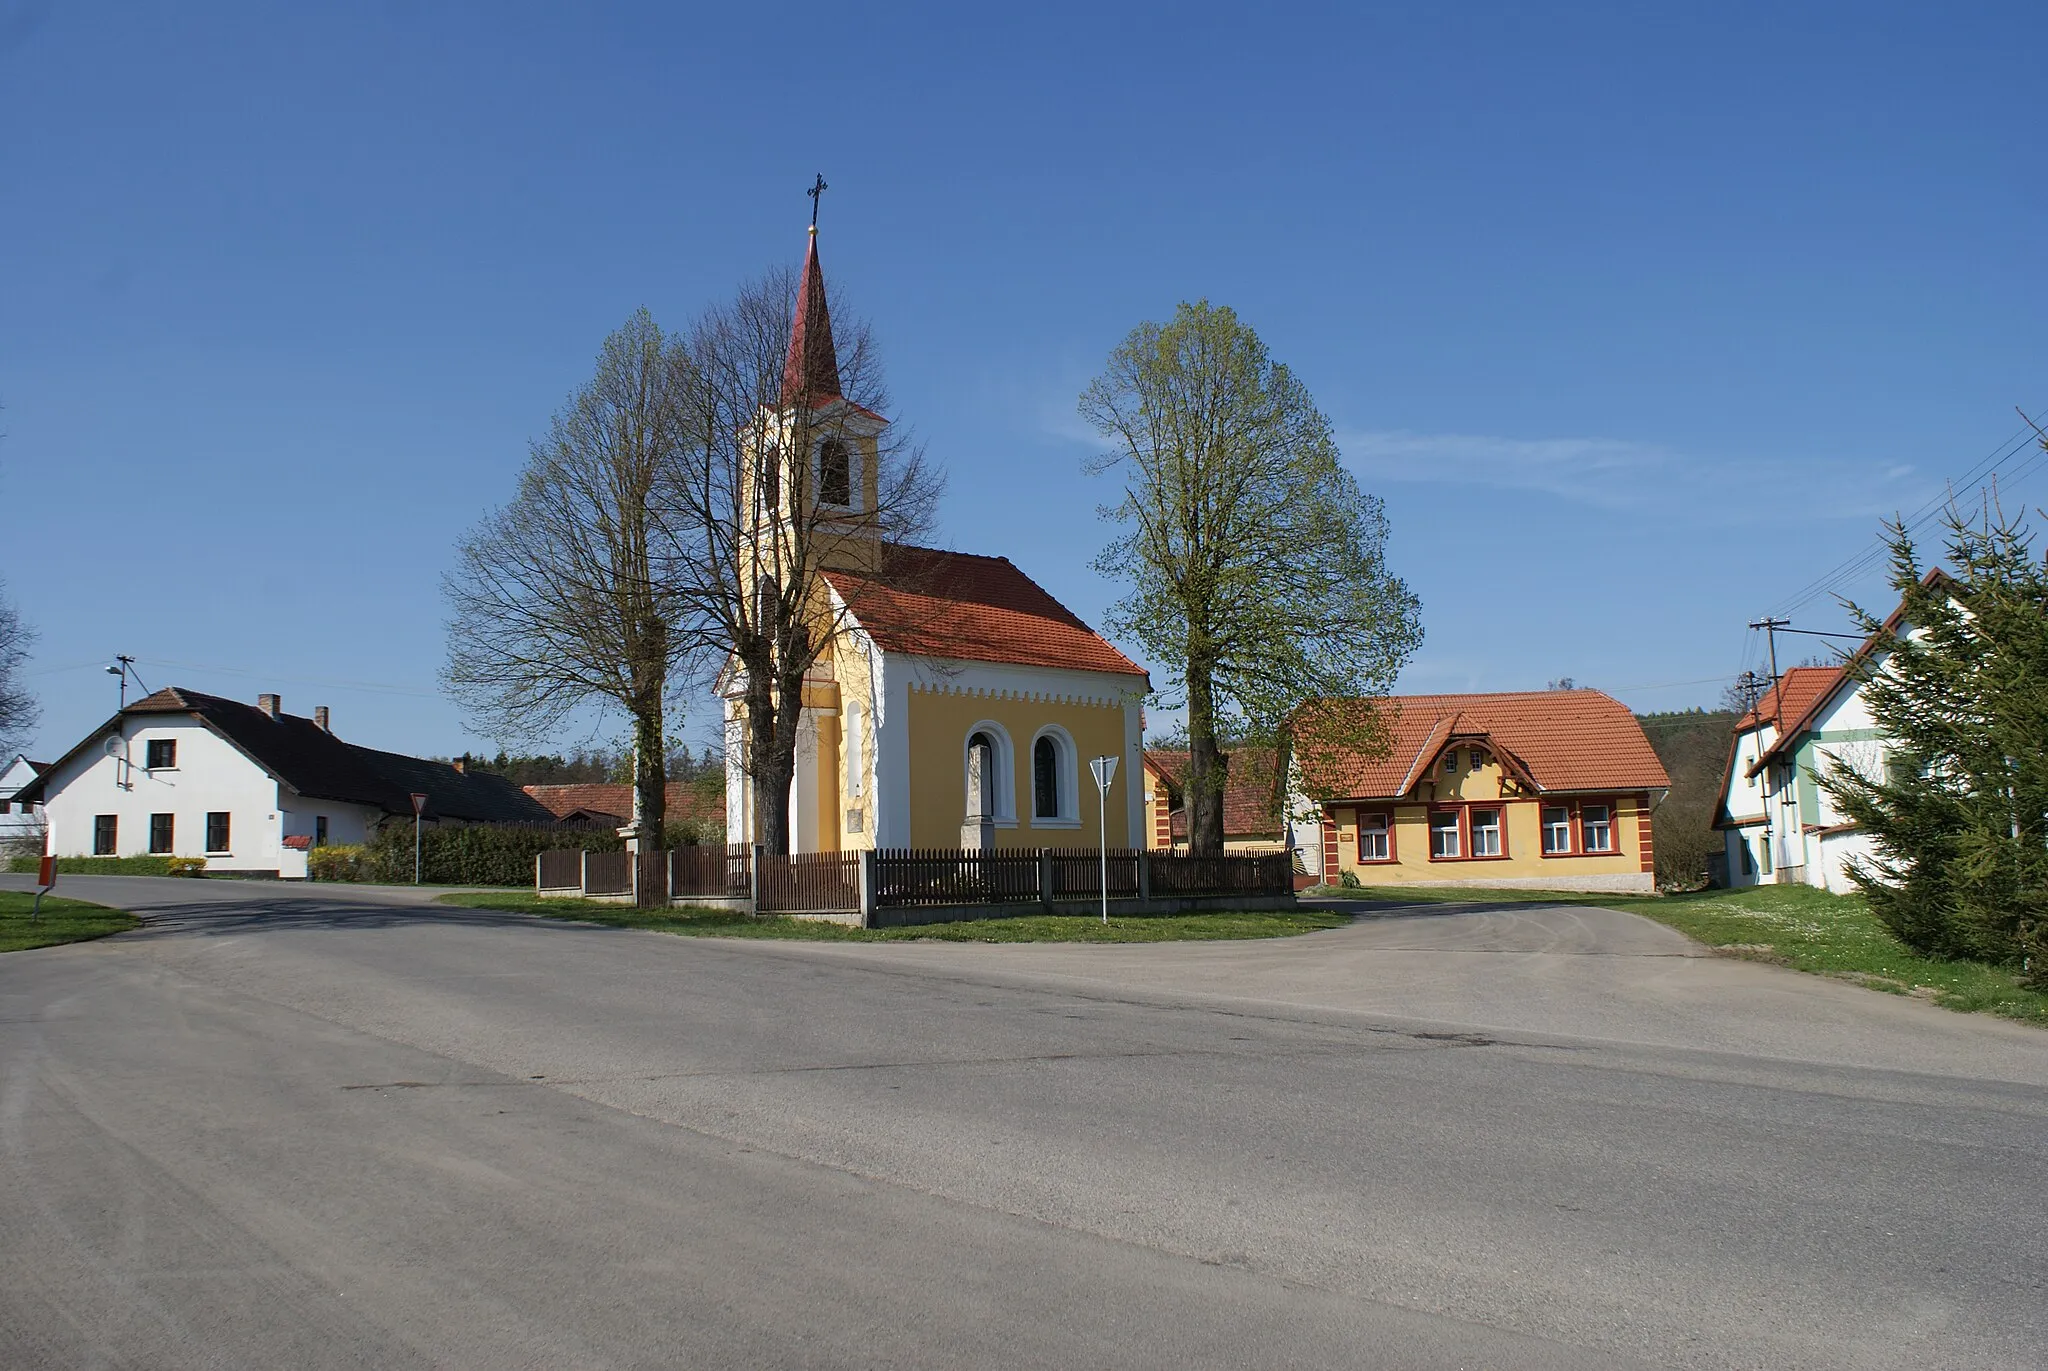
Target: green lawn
[1028,928]
[63,921]
[1795,926]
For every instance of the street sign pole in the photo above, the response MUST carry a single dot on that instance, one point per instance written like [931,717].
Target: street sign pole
[419,807]
[1105,772]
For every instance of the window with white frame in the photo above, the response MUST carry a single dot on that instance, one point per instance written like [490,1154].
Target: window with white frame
[1596,828]
[1372,838]
[856,769]
[1055,777]
[1444,840]
[987,771]
[1451,762]
[1486,833]
[1557,830]
[1478,759]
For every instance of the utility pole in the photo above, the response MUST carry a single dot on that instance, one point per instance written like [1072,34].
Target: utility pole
[1770,626]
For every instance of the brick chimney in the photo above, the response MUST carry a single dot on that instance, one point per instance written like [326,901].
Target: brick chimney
[320,718]
[461,764]
[270,704]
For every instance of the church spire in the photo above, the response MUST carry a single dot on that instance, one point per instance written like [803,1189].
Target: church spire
[811,372]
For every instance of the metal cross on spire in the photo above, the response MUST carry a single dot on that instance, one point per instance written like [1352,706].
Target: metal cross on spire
[817,193]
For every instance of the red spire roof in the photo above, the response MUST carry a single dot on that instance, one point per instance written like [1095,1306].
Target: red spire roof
[811,372]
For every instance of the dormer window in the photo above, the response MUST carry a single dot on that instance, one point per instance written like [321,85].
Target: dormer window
[1478,759]
[835,473]
[1451,762]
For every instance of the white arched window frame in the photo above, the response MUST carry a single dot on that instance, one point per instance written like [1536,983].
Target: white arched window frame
[1067,772]
[1004,762]
[855,476]
[856,752]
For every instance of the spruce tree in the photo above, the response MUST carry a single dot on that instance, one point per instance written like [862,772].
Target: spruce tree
[1959,684]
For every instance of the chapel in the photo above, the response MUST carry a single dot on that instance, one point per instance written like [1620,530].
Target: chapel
[958,704]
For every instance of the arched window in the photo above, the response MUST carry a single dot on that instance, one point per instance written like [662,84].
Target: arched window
[835,473]
[988,769]
[981,776]
[1054,779]
[1045,778]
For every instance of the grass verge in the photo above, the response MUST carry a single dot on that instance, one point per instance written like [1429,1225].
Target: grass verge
[63,921]
[1795,926]
[1026,928]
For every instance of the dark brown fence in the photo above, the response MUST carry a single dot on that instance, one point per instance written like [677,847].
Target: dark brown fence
[1076,873]
[936,876]
[560,870]
[711,871]
[813,883]
[607,873]
[1175,875]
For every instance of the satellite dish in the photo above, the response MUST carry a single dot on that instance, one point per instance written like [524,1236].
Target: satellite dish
[116,745]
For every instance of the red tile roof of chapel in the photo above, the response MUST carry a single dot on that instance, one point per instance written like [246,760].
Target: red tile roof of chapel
[930,603]
[1563,740]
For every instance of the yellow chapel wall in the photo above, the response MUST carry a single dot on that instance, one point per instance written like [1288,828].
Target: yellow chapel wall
[939,723]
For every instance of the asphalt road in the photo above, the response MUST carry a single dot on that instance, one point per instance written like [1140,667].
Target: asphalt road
[277,1129]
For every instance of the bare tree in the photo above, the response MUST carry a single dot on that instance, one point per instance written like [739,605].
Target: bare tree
[18,710]
[794,473]
[558,598]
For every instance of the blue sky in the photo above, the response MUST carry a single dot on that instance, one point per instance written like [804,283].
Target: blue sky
[1637,319]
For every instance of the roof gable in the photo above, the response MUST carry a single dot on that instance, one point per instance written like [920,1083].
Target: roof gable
[1556,740]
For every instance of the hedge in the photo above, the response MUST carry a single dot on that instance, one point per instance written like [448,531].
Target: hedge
[481,854]
[96,866]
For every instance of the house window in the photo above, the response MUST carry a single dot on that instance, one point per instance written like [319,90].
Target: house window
[163,753]
[105,827]
[1372,838]
[319,830]
[835,473]
[160,831]
[1478,759]
[856,772]
[216,831]
[1486,833]
[989,775]
[1763,851]
[6,805]
[1557,830]
[1045,779]
[1596,828]
[1451,762]
[1443,836]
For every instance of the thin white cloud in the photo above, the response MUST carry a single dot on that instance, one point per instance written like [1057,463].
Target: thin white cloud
[1598,471]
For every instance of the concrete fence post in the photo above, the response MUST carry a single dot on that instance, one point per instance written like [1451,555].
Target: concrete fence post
[1045,876]
[754,879]
[1144,874]
[536,873]
[583,873]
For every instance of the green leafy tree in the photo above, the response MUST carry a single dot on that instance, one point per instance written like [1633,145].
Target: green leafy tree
[1958,815]
[1256,566]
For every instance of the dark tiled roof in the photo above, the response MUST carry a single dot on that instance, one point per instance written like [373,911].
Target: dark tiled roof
[319,765]
[956,605]
[1561,740]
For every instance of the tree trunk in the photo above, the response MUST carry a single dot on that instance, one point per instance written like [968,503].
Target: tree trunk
[1207,767]
[770,769]
[650,776]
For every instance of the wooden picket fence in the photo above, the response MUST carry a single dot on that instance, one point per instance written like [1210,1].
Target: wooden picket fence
[809,883]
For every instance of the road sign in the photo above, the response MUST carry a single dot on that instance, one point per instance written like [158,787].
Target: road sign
[1105,772]
[419,803]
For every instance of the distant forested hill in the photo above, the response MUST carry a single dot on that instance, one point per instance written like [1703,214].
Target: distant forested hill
[1693,745]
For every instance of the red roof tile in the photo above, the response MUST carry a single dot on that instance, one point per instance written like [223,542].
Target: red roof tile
[1795,693]
[685,801]
[956,605]
[1247,790]
[1562,740]
[811,371]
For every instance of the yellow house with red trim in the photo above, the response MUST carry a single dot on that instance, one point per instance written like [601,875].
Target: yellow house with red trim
[958,703]
[1546,789]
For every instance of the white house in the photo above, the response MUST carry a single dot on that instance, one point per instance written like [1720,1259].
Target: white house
[18,819]
[1779,823]
[248,787]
